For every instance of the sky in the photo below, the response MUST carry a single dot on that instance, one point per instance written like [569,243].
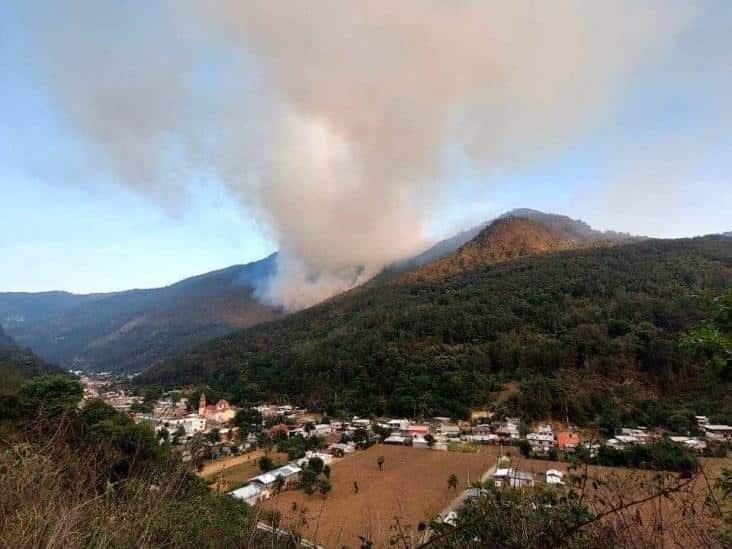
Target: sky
[98,193]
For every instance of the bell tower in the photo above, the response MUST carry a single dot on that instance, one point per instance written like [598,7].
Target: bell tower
[202,405]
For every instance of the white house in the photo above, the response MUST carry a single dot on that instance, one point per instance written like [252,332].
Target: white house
[509,477]
[717,432]
[542,438]
[251,493]
[270,477]
[554,476]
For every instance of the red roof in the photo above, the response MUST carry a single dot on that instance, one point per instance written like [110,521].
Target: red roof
[566,439]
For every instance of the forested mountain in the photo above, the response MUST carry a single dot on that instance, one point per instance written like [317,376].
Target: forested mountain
[128,331]
[18,365]
[588,333]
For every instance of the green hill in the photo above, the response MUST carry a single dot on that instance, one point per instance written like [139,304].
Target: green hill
[585,333]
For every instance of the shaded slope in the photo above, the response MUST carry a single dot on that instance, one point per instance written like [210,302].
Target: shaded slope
[128,331]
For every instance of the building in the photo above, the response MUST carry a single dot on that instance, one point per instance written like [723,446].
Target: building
[567,440]
[221,412]
[251,493]
[509,429]
[288,472]
[717,432]
[554,476]
[450,430]
[542,439]
[513,478]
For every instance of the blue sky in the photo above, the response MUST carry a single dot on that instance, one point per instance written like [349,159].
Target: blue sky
[656,161]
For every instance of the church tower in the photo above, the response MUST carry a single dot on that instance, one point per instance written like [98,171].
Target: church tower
[202,405]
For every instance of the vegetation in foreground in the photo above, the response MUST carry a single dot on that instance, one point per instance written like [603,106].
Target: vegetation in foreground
[93,478]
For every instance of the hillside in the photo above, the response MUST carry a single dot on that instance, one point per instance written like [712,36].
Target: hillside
[585,332]
[18,365]
[128,331]
[517,234]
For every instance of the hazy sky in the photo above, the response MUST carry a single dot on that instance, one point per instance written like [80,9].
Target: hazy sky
[628,130]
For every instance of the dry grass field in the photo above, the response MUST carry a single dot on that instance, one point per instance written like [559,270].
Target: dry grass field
[412,488]
[226,474]
[684,518]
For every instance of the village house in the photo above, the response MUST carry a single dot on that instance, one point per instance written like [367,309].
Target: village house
[512,478]
[509,429]
[449,430]
[554,477]
[717,432]
[692,443]
[251,494]
[288,472]
[542,439]
[567,441]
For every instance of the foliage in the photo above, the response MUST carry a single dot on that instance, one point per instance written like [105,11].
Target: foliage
[266,463]
[532,518]
[91,477]
[583,332]
[663,455]
[296,445]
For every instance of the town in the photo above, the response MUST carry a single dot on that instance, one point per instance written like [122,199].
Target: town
[261,454]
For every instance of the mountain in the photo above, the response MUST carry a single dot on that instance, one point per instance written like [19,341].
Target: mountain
[584,332]
[18,365]
[128,331]
[516,234]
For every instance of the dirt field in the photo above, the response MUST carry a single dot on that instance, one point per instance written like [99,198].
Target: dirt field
[230,472]
[412,488]
[683,519]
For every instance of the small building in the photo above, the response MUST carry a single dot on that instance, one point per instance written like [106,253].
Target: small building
[554,476]
[489,438]
[322,429]
[416,431]
[288,472]
[512,478]
[251,493]
[395,439]
[221,412]
[509,429]
[717,432]
[450,430]
[567,441]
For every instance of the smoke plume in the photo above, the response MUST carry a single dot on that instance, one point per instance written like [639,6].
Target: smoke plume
[329,120]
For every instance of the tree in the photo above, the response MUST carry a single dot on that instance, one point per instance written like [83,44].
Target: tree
[326,471]
[266,464]
[524,448]
[316,464]
[279,484]
[430,440]
[213,435]
[452,481]
[51,394]
[324,486]
[308,479]
[178,434]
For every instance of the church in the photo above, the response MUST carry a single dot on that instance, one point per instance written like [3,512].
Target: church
[221,412]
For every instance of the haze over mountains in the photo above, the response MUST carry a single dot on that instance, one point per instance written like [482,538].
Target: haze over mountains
[128,331]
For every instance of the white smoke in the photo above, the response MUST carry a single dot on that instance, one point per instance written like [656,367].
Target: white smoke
[329,119]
